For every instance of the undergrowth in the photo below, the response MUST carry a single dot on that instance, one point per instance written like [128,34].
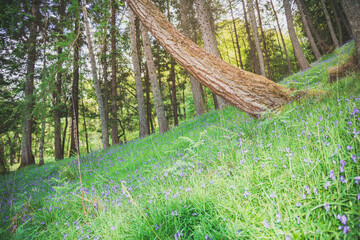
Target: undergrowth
[224,175]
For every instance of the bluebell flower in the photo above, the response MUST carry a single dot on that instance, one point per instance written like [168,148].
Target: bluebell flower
[266,224]
[327,207]
[332,176]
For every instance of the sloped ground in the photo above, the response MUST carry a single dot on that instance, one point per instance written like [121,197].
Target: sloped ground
[293,175]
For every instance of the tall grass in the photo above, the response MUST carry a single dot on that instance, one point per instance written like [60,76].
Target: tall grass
[224,175]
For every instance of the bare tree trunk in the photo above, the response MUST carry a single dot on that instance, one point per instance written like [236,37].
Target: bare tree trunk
[44,95]
[330,26]
[105,136]
[351,9]
[3,163]
[148,104]
[114,84]
[209,38]
[308,32]
[337,20]
[263,39]
[282,38]
[143,126]
[64,136]
[251,42]
[75,94]
[256,37]
[294,40]
[196,88]
[249,92]
[344,20]
[85,128]
[159,108]
[104,63]
[236,36]
[57,87]
[173,91]
[320,41]
[27,157]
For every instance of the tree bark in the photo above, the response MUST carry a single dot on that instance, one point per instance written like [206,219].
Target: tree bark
[282,38]
[196,88]
[313,46]
[27,156]
[173,91]
[104,63]
[351,9]
[57,86]
[85,128]
[251,42]
[148,104]
[249,92]
[159,107]
[294,40]
[135,54]
[337,20]
[114,84]
[330,26]
[75,94]
[236,36]
[209,38]
[263,39]
[105,136]
[256,37]
[314,31]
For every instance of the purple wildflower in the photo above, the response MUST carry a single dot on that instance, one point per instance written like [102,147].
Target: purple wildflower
[298,204]
[327,207]
[343,179]
[266,224]
[332,176]
[342,218]
[349,148]
[246,193]
[316,191]
[278,217]
[112,228]
[307,188]
[346,229]
[178,234]
[287,237]
[174,213]
[327,185]
[357,179]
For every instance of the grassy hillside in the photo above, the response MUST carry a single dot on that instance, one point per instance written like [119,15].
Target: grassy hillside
[224,175]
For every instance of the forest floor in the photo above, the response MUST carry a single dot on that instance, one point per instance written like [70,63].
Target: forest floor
[224,175]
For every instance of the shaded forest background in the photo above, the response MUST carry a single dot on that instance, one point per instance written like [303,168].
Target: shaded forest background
[47,89]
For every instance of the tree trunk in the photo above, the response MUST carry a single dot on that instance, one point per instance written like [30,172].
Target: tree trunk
[308,32]
[209,38]
[263,39]
[114,84]
[75,94]
[135,54]
[294,40]
[85,128]
[27,156]
[57,86]
[344,20]
[236,36]
[337,20]
[249,92]
[104,63]
[256,37]
[282,38]
[148,104]
[64,136]
[330,26]
[173,91]
[105,136]
[196,88]
[3,164]
[320,41]
[159,108]
[251,42]
[351,9]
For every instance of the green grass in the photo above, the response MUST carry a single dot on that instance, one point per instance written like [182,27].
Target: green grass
[223,175]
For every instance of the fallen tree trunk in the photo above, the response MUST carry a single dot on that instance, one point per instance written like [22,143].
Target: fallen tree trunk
[251,93]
